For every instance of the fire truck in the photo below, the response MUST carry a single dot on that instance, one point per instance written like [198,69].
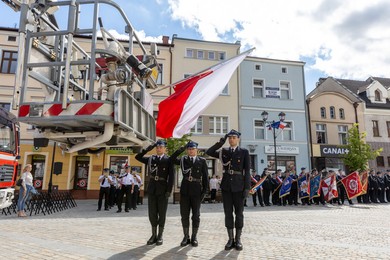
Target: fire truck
[95,91]
[9,154]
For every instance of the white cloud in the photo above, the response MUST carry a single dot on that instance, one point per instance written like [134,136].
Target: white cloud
[348,38]
[141,35]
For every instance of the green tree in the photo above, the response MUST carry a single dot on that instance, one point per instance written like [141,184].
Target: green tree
[175,143]
[359,151]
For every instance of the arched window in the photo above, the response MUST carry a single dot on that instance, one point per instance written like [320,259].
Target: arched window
[378,95]
[323,112]
[332,113]
[341,113]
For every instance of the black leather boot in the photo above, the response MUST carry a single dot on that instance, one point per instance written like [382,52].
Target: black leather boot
[230,243]
[153,238]
[159,241]
[194,240]
[186,238]
[238,239]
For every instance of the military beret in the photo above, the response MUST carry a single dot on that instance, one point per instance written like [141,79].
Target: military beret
[161,143]
[106,170]
[192,144]
[303,168]
[378,172]
[234,132]
[112,172]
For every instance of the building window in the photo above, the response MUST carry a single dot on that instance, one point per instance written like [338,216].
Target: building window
[380,161]
[332,113]
[259,129]
[159,77]
[287,133]
[343,133]
[284,70]
[258,88]
[285,90]
[323,112]
[225,90]
[378,95]
[189,53]
[222,56]
[375,128]
[198,128]
[388,129]
[12,38]
[200,55]
[187,75]
[341,113]
[218,125]
[258,67]
[321,133]
[388,161]
[211,55]
[9,61]
[81,173]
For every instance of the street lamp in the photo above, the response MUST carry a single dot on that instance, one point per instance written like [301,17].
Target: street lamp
[273,124]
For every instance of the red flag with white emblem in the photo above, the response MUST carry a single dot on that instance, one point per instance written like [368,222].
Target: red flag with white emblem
[352,185]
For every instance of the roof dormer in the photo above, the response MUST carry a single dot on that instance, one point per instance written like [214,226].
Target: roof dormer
[377,93]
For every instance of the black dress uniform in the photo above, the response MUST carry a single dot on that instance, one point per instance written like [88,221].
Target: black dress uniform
[257,193]
[381,187]
[192,190]
[267,188]
[235,186]
[387,185]
[161,174]
[373,187]
[293,198]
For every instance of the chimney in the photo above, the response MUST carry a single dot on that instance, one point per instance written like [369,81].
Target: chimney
[165,39]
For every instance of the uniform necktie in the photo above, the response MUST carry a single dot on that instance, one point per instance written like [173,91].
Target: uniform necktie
[192,159]
[104,180]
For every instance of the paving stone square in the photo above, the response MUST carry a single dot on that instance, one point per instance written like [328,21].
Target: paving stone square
[358,231]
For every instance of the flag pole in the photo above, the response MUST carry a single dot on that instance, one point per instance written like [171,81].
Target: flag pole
[218,64]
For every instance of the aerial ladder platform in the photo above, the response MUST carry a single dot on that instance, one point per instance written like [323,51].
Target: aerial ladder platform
[94,91]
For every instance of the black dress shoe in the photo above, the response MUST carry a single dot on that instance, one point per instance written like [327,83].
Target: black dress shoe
[98,210]
[119,211]
[106,209]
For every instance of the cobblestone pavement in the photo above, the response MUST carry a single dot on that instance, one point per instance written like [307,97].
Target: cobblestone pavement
[291,232]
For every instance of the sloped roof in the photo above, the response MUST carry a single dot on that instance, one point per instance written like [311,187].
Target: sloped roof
[384,81]
[355,86]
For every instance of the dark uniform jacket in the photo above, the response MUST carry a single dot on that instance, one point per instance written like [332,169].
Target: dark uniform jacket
[198,172]
[161,169]
[239,162]
[373,182]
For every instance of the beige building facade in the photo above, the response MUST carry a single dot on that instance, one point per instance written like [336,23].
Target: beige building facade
[332,111]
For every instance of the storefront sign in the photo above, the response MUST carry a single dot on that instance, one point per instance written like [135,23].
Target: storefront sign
[281,149]
[119,150]
[333,151]
[272,92]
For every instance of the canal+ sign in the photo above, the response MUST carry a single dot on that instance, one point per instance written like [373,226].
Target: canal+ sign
[333,151]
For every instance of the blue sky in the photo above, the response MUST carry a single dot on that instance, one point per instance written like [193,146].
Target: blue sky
[343,39]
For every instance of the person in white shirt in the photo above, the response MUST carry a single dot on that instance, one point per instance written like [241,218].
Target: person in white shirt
[25,189]
[127,187]
[137,186]
[213,188]
[113,189]
[105,183]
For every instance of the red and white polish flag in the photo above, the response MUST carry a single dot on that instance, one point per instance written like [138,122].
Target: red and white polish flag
[179,112]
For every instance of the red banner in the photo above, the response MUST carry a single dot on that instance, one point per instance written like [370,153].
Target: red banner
[364,182]
[329,188]
[352,185]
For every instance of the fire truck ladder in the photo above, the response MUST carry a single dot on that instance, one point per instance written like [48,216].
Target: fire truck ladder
[94,91]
